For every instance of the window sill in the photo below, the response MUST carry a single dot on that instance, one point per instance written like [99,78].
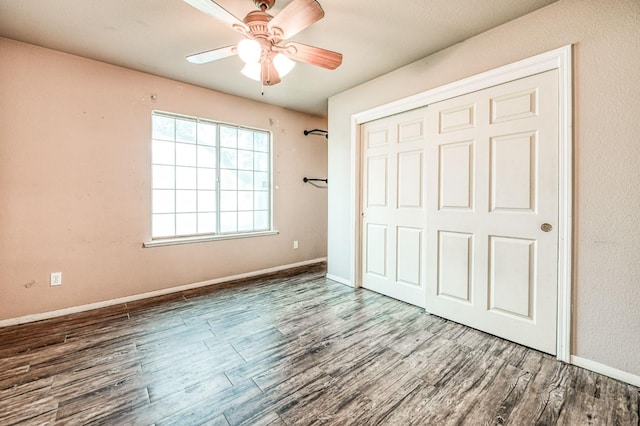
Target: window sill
[204,238]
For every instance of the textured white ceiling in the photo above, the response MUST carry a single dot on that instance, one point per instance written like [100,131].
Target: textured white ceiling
[154,36]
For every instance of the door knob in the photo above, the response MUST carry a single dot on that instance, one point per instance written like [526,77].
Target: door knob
[546,227]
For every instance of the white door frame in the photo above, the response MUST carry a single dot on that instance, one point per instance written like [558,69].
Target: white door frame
[560,59]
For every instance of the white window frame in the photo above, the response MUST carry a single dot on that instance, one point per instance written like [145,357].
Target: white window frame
[216,234]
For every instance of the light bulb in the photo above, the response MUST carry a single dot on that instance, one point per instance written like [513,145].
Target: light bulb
[252,71]
[249,51]
[283,64]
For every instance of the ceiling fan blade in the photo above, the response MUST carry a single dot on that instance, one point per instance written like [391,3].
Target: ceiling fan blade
[212,55]
[212,8]
[313,55]
[269,74]
[295,17]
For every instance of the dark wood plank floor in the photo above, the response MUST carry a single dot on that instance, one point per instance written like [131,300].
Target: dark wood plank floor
[287,349]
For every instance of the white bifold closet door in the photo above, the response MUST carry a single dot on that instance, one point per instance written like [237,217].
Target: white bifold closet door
[460,209]
[393,206]
[492,210]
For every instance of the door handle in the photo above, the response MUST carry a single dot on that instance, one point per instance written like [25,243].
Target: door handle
[546,227]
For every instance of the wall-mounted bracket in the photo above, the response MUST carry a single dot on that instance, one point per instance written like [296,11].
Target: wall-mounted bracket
[306,179]
[317,132]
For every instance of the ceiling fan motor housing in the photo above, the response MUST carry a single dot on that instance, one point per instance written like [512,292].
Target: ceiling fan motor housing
[257,22]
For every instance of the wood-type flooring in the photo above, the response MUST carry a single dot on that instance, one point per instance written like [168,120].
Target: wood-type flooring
[291,348]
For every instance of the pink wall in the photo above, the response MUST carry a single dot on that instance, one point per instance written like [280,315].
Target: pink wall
[75,183]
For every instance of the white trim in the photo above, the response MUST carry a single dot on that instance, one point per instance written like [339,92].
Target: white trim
[554,59]
[107,303]
[160,242]
[614,373]
[565,204]
[339,280]
[356,209]
[560,59]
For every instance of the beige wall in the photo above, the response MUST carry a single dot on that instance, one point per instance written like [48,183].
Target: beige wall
[606,34]
[75,183]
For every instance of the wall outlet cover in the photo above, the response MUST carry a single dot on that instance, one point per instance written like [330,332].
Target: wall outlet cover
[56,278]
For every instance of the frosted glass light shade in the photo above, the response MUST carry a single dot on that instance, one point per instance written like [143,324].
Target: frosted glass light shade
[249,51]
[252,71]
[283,64]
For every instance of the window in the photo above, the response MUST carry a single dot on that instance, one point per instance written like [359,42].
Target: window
[208,178]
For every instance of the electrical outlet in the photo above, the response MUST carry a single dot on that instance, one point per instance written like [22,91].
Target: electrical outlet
[295,244]
[56,278]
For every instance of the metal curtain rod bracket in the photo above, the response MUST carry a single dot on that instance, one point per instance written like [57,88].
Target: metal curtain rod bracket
[306,179]
[317,132]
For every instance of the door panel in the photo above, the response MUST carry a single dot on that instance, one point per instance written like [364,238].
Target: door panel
[511,276]
[514,106]
[377,137]
[394,200]
[411,130]
[377,177]
[454,266]
[492,181]
[456,119]
[513,180]
[456,175]
[376,249]
[408,257]
[410,165]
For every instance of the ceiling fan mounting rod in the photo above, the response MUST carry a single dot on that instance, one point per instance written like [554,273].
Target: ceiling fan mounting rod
[264,4]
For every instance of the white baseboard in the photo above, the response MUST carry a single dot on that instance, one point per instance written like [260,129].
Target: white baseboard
[106,303]
[339,280]
[614,373]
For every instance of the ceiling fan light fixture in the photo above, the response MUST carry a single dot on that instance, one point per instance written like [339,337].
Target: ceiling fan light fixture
[252,71]
[283,64]
[249,51]
[265,52]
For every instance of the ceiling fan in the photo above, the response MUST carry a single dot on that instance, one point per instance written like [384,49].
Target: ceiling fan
[266,55]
